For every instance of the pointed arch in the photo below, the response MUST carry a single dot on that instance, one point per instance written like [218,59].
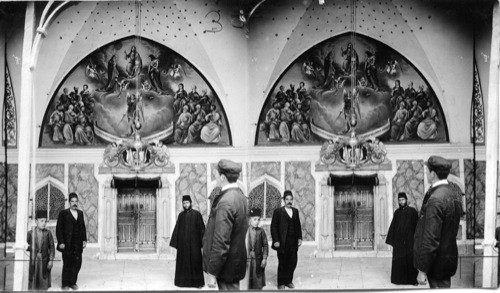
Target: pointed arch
[134,85]
[50,196]
[307,103]
[265,194]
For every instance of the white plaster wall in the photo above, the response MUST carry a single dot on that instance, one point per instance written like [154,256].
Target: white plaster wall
[242,71]
[437,43]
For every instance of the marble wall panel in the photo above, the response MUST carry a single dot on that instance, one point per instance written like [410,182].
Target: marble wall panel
[299,180]
[11,198]
[475,202]
[81,179]
[409,178]
[192,181]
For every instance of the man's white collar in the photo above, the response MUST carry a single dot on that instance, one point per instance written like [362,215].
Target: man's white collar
[440,182]
[230,185]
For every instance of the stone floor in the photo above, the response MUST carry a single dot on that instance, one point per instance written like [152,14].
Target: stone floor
[311,274]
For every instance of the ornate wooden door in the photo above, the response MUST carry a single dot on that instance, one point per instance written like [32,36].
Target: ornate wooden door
[353,217]
[136,219]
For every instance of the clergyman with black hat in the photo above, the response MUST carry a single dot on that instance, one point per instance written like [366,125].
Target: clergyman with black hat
[42,252]
[400,237]
[187,239]
[435,252]
[224,249]
[286,233]
[71,240]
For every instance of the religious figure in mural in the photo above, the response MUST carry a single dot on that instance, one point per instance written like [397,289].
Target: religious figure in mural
[112,75]
[120,98]
[351,59]
[154,74]
[134,65]
[371,70]
[340,92]
[211,132]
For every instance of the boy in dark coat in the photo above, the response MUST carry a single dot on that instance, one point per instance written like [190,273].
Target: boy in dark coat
[42,252]
[258,251]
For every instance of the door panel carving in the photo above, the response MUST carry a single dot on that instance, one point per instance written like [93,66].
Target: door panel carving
[353,217]
[136,219]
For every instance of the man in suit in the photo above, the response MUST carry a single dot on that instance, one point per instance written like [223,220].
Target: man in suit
[435,252]
[224,249]
[286,233]
[71,240]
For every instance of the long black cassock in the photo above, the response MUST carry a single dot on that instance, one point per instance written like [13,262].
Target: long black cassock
[400,237]
[187,239]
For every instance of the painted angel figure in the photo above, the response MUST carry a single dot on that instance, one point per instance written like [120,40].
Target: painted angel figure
[176,71]
[92,71]
[308,69]
[392,67]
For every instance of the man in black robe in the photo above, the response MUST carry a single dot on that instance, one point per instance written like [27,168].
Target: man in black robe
[187,239]
[400,237]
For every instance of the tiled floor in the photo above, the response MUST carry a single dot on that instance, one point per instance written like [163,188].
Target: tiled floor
[311,273]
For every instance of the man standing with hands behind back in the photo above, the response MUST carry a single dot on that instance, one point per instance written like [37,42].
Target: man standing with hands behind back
[435,252]
[286,233]
[71,240]
[224,247]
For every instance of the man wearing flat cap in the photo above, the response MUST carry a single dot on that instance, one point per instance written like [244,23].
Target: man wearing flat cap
[224,249]
[286,233]
[400,237]
[435,252]
[187,239]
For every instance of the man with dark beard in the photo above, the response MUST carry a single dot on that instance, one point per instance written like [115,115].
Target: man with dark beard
[400,237]
[286,233]
[187,239]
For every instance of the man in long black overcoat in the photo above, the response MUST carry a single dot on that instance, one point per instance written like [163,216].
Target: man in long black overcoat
[400,237]
[187,239]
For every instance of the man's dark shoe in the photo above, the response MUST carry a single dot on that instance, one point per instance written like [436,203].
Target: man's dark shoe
[74,287]
[291,286]
[281,287]
[65,288]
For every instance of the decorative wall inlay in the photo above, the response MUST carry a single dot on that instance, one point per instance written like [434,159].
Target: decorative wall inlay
[10,111]
[81,179]
[257,169]
[409,178]
[299,180]
[192,181]
[130,86]
[475,208]
[11,201]
[337,86]
[54,170]
[477,112]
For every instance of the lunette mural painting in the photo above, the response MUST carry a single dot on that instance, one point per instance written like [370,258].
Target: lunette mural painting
[345,85]
[134,87]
